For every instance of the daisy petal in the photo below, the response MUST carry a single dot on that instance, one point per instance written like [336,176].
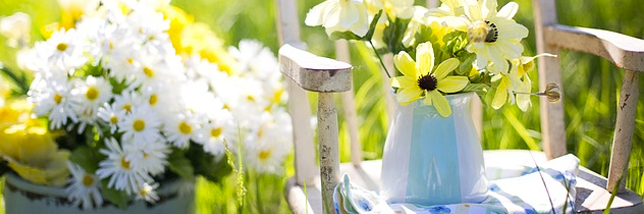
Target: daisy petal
[453,84]
[445,68]
[406,65]
[425,58]
[440,103]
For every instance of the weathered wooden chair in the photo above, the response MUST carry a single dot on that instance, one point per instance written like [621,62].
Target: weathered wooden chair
[325,76]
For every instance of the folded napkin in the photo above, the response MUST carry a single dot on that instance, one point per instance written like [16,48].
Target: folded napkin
[522,190]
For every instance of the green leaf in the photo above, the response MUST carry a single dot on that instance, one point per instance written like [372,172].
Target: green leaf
[181,165]
[207,165]
[348,35]
[466,63]
[119,198]
[372,27]
[394,33]
[87,158]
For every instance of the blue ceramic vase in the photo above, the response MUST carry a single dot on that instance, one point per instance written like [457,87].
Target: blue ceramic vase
[433,160]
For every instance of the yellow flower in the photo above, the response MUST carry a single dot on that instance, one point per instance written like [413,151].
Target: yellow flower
[421,79]
[516,82]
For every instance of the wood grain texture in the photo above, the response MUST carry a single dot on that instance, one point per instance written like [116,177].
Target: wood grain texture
[328,143]
[624,51]
[314,73]
[289,33]
[624,129]
[552,114]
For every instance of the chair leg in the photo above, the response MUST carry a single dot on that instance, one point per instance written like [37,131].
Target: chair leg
[624,126]
[328,140]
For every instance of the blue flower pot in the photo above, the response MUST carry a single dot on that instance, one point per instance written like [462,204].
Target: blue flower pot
[432,160]
[23,197]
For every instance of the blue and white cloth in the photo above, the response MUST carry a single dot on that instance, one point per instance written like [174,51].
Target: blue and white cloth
[518,190]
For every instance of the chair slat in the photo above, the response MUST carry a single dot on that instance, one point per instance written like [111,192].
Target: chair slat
[314,73]
[552,114]
[289,33]
[624,51]
[623,137]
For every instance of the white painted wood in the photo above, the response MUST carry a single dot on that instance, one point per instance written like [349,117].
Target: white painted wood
[289,33]
[624,51]
[349,106]
[623,137]
[329,156]
[314,73]
[552,114]
[298,200]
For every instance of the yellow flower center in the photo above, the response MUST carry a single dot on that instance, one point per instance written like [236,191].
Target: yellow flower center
[149,72]
[185,128]
[250,98]
[264,155]
[153,99]
[127,107]
[138,125]
[124,163]
[88,180]
[145,155]
[144,191]
[130,60]
[114,119]
[92,93]
[428,82]
[215,132]
[58,98]
[61,47]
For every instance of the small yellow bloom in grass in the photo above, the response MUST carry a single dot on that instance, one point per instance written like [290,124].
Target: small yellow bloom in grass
[421,79]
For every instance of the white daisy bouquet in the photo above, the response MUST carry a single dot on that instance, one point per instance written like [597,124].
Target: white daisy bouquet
[461,46]
[139,94]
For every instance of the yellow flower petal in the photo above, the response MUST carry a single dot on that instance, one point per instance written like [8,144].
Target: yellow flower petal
[440,103]
[425,58]
[501,94]
[408,95]
[523,100]
[445,68]
[406,65]
[407,82]
[428,100]
[453,84]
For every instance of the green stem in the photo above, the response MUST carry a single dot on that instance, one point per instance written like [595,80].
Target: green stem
[20,82]
[380,59]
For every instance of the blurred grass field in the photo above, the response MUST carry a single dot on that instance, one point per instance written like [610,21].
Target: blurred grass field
[590,84]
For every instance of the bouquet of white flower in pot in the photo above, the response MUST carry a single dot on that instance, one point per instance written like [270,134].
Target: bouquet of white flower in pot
[141,99]
[442,56]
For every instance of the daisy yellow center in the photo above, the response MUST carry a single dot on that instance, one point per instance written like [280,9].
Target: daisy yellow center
[215,132]
[185,128]
[62,46]
[153,99]
[88,180]
[92,93]
[145,155]
[428,82]
[124,163]
[144,191]
[250,98]
[127,107]
[226,107]
[148,72]
[138,125]
[129,60]
[58,98]
[264,155]
[114,119]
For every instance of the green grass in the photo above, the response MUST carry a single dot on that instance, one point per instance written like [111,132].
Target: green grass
[590,84]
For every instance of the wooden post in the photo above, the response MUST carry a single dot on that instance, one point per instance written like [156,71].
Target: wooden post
[552,115]
[624,126]
[289,33]
[328,140]
[349,106]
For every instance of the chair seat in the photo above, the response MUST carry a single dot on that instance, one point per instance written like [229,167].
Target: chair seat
[591,195]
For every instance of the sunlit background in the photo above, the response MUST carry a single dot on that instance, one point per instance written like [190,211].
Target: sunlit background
[591,89]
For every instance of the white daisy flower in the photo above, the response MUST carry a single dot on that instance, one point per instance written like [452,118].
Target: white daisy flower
[148,156]
[214,133]
[127,100]
[119,169]
[147,192]
[52,97]
[180,128]
[17,29]
[141,125]
[270,144]
[63,49]
[83,188]
[92,92]
[111,115]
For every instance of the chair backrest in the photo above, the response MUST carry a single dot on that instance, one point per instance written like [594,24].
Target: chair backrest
[623,51]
